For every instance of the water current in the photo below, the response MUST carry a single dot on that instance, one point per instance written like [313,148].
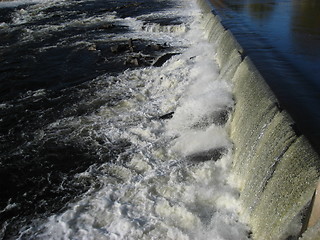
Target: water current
[113,123]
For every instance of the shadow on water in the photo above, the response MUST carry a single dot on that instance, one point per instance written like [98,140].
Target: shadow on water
[305,26]
[261,10]
[257,9]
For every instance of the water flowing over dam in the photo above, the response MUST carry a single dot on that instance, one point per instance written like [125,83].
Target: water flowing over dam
[143,119]
[276,168]
[113,123]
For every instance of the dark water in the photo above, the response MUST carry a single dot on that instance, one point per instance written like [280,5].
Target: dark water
[33,58]
[50,57]
[283,40]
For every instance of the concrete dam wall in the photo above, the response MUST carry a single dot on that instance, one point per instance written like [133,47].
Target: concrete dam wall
[275,165]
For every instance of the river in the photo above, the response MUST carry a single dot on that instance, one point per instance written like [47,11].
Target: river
[283,40]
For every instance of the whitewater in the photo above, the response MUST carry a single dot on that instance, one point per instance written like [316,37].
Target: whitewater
[171,179]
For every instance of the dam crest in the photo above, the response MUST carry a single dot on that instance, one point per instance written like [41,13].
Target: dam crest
[276,168]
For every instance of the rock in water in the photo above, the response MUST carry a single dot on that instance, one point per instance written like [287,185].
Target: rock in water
[119,48]
[161,60]
[167,116]
[156,47]
[211,154]
[130,44]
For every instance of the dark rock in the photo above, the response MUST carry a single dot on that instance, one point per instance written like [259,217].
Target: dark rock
[161,60]
[130,45]
[92,48]
[119,48]
[130,42]
[114,49]
[218,118]
[156,47]
[136,60]
[132,61]
[211,154]
[123,47]
[167,116]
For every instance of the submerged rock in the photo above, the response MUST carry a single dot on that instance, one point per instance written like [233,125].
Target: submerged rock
[139,54]
[162,59]
[218,118]
[137,60]
[132,61]
[92,48]
[119,48]
[130,45]
[156,47]
[203,156]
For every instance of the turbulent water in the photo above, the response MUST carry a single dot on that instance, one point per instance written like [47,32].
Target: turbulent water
[113,123]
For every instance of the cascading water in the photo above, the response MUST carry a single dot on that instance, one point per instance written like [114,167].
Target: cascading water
[275,167]
[115,124]
[130,147]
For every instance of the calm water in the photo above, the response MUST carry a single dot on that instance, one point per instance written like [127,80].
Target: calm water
[283,39]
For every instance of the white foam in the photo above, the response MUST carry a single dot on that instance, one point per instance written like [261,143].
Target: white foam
[152,191]
[11,4]
[196,141]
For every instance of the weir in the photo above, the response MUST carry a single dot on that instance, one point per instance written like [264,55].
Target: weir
[274,164]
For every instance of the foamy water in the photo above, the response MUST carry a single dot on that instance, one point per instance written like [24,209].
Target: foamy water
[9,4]
[173,179]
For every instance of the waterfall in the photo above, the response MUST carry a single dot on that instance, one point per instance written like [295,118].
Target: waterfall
[275,166]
